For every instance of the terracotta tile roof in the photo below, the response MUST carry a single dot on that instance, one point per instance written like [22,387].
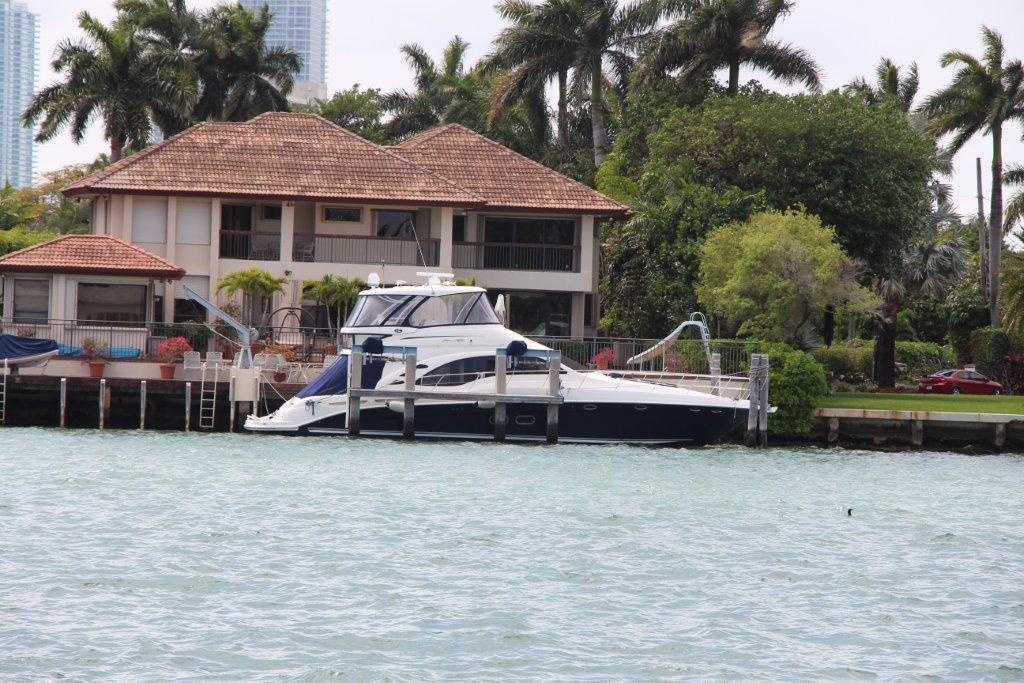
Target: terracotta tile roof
[89,254]
[276,155]
[501,177]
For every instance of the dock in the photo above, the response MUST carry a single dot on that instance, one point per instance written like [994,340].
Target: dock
[918,429]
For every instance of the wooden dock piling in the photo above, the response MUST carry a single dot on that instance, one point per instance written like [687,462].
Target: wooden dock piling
[142,405]
[500,387]
[409,404]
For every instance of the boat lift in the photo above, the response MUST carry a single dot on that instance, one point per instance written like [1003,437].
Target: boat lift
[243,359]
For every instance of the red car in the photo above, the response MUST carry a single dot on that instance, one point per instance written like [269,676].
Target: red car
[959,382]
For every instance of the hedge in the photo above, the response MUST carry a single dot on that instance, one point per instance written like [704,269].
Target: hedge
[796,382]
[988,346]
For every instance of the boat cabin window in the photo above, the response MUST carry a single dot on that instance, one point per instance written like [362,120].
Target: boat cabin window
[376,310]
[458,372]
[469,308]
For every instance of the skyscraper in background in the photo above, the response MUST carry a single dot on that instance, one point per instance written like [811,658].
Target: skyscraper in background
[19,43]
[302,26]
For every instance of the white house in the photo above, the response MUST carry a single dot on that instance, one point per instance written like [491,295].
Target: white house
[302,197]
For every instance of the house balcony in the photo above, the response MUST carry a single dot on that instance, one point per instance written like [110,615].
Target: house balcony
[344,249]
[250,245]
[516,256]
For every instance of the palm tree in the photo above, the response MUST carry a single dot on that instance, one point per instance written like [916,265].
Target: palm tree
[445,91]
[714,34]
[601,38]
[1014,176]
[1013,295]
[533,52]
[333,291]
[257,288]
[984,94]
[241,77]
[930,266]
[111,73]
[173,32]
[892,85]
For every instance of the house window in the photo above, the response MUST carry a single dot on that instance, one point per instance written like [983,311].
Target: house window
[112,303]
[458,228]
[271,212]
[397,224]
[539,313]
[559,232]
[31,301]
[235,217]
[343,214]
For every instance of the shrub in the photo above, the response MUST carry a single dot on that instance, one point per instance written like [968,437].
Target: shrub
[94,351]
[174,349]
[988,345]
[845,363]
[924,358]
[796,382]
[1010,372]
[570,349]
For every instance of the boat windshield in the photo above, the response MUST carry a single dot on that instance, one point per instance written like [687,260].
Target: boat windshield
[376,310]
[468,308]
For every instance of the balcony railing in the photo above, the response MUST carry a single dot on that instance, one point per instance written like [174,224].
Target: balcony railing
[516,256]
[250,245]
[344,249]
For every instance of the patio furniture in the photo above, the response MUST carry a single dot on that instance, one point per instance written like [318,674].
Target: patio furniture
[191,366]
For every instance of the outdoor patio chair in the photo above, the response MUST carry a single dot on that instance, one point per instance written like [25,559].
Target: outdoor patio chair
[215,358]
[191,366]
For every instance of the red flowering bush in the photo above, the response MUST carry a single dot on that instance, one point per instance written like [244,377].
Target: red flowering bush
[173,349]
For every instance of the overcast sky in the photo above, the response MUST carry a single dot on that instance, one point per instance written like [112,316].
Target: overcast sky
[846,37]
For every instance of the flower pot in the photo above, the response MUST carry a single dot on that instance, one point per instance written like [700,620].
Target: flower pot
[280,376]
[257,347]
[96,368]
[167,370]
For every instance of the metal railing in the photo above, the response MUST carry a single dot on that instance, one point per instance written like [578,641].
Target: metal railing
[516,256]
[250,245]
[119,341]
[345,249]
[684,356]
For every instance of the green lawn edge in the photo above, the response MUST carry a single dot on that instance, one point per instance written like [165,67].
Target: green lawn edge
[1006,405]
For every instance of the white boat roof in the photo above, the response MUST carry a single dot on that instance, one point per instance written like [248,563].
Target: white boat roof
[421,290]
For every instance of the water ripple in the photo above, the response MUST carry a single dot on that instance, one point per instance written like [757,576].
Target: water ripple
[191,557]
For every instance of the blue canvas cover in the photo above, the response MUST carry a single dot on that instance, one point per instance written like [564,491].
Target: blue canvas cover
[19,347]
[334,380]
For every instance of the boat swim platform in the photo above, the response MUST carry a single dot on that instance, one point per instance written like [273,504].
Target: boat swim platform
[919,429]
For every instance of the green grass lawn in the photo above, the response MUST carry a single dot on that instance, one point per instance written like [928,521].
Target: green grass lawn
[932,402]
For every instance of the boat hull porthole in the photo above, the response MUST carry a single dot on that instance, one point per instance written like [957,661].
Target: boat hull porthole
[525,420]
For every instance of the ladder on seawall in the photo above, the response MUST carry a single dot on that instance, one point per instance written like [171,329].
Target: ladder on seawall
[208,396]
[3,393]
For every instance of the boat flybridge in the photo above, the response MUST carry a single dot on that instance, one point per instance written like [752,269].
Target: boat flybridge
[457,334]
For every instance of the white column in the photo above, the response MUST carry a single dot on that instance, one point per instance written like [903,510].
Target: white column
[126,220]
[214,248]
[576,321]
[287,233]
[172,255]
[445,255]
[99,216]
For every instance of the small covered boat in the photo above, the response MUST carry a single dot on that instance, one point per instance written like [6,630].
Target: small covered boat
[25,352]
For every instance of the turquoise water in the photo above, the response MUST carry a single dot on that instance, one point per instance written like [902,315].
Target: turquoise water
[170,556]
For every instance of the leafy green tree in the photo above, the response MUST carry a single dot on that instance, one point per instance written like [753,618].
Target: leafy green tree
[17,208]
[831,154]
[358,110]
[984,94]
[713,34]
[111,73]
[892,86]
[19,238]
[1012,303]
[333,291]
[57,212]
[775,274]
[257,288]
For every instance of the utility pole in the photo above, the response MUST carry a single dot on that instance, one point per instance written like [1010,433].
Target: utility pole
[982,236]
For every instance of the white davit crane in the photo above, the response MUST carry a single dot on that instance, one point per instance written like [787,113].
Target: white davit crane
[243,359]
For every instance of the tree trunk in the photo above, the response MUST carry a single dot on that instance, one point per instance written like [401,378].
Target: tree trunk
[116,146]
[982,236]
[885,348]
[995,229]
[828,325]
[600,132]
[563,107]
[734,76]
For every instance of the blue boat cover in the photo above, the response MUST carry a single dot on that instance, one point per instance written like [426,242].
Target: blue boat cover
[19,347]
[334,380]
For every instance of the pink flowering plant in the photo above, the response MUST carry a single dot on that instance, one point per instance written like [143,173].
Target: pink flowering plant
[173,349]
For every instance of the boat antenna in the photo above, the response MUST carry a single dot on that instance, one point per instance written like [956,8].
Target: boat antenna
[416,236]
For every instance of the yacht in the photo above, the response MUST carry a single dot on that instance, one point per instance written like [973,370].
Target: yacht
[457,334]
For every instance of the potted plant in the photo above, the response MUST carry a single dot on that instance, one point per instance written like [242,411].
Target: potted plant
[603,358]
[95,355]
[171,351]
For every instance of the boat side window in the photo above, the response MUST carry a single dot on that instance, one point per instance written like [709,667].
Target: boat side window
[529,364]
[442,310]
[481,312]
[458,372]
[375,310]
